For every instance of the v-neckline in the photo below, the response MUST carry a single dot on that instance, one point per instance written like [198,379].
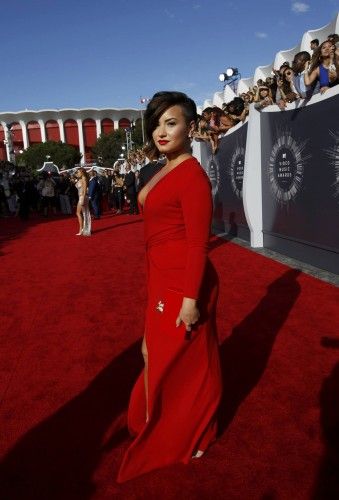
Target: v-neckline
[159,181]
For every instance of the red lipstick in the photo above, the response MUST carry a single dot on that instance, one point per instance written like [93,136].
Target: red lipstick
[162,143]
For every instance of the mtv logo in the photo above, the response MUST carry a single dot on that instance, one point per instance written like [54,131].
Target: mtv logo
[284,156]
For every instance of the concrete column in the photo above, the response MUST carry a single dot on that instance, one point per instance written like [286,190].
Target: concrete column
[252,189]
[61,129]
[24,134]
[116,124]
[43,130]
[81,140]
[98,125]
[7,140]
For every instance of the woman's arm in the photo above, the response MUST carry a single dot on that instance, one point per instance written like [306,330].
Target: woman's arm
[197,207]
[82,192]
[196,202]
[311,77]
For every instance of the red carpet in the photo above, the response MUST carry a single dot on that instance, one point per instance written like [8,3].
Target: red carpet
[71,323]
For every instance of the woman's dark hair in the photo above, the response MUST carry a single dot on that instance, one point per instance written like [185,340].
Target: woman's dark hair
[84,174]
[317,58]
[287,87]
[159,103]
[238,106]
[218,112]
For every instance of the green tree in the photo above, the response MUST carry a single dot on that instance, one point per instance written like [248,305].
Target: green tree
[108,147]
[59,153]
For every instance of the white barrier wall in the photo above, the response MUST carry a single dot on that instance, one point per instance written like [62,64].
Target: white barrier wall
[290,189]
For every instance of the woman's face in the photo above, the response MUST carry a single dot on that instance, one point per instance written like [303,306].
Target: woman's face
[288,74]
[171,134]
[326,49]
[263,93]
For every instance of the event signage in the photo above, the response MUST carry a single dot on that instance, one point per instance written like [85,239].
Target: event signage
[300,174]
[226,171]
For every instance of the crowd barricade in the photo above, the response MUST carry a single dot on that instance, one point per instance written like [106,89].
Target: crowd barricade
[225,169]
[288,198]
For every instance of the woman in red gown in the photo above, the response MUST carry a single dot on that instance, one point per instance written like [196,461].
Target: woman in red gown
[172,411]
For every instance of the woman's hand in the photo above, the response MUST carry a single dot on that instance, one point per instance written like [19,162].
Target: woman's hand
[332,75]
[281,104]
[189,313]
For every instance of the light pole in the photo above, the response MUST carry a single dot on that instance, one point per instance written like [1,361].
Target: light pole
[143,100]
[129,142]
[128,139]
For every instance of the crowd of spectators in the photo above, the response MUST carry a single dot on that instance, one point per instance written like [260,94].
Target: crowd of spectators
[309,73]
[24,192]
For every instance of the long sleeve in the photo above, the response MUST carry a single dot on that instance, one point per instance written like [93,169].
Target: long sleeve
[197,207]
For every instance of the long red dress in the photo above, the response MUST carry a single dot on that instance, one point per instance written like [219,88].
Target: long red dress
[184,383]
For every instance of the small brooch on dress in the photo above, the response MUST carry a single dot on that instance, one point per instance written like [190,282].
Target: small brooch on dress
[160,307]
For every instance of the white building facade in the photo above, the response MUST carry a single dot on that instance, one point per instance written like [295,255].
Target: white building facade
[79,128]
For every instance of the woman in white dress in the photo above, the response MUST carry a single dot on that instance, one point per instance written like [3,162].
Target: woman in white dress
[83,213]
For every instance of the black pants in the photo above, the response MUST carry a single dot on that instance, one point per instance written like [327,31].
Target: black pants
[118,198]
[133,202]
[95,203]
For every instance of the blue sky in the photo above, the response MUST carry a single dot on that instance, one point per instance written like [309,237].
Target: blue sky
[108,53]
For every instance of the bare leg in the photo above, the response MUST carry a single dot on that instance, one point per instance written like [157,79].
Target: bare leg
[145,355]
[79,215]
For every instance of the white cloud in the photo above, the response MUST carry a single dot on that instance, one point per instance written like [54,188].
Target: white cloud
[260,34]
[169,14]
[300,7]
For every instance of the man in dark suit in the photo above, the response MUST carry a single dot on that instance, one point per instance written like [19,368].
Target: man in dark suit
[94,193]
[131,192]
[146,173]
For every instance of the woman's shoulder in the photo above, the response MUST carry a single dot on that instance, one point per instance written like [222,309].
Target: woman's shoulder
[194,176]
[192,165]
[194,168]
